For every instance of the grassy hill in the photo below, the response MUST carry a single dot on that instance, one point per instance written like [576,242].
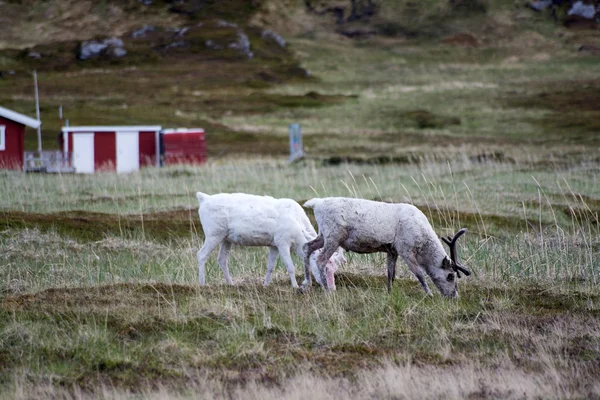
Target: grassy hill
[360,76]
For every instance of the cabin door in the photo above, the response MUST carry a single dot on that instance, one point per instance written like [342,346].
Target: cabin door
[83,153]
[128,152]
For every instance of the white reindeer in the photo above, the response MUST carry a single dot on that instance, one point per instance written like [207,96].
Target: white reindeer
[249,220]
[365,226]
[331,267]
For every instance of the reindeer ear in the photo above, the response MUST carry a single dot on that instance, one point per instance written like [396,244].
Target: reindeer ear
[446,263]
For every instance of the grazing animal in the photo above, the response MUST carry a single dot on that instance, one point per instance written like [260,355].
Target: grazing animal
[249,220]
[336,260]
[365,226]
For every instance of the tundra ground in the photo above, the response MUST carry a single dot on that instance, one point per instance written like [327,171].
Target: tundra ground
[99,292]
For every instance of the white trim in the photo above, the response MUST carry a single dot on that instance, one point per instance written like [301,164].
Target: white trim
[182,130]
[132,128]
[2,137]
[20,118]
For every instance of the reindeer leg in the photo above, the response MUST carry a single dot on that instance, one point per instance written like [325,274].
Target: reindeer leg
[414,267]
[309,248]
[391,270]
[223,260]
[210,243]
[273,254]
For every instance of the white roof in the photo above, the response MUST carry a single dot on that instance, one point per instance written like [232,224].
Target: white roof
[106,128]
[182,130]
[20,118]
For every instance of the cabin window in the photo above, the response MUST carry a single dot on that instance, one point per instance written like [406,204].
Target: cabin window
[2,137]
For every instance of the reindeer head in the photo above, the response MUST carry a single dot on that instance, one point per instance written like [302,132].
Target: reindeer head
[338,258]
[451,267]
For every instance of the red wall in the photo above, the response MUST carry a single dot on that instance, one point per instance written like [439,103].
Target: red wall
[184,148]
[12,156]
[147,149]
[105,151]
[70,144]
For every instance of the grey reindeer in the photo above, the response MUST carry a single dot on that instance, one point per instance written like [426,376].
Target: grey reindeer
[398,229]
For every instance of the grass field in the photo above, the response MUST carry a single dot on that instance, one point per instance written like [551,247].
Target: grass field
[99,289]
[98,274]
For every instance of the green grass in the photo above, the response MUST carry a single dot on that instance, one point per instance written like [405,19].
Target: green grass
[107,294]
[504,189]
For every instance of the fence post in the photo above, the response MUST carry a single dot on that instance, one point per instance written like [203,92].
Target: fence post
[296,150]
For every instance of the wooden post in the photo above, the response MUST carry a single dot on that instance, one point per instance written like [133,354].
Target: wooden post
[37,111]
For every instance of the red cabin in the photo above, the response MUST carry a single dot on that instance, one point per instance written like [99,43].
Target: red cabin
[111,148]
[183,146]
[12,137]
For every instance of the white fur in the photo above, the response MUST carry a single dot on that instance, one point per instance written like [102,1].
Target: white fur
[331,267]
[366,226]
[250,220]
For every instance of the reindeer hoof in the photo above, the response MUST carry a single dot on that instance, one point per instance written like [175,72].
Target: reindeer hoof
[302,289]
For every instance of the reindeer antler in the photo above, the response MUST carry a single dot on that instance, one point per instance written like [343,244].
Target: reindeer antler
[451,242]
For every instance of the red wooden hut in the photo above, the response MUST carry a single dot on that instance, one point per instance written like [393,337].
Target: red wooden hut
[12,137]
[111,148]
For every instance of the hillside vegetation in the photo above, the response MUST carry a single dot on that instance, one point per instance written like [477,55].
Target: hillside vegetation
[416,76]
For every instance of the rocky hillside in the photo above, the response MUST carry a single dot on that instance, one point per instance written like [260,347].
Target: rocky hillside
[218,63]
[61,33]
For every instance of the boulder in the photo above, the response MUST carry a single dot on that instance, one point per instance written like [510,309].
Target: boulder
[109,47]
[176,45]
[242,44]
[143,31]
[587,11]
[117,52]
[224,24]
[268,34]
[539,5]
[212,45]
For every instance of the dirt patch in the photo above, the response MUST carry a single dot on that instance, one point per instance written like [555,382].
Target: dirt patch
[575,22]
[420,119]
[468,7]
[90,226]
[574,106]
[416,158]
[260,103]
[409,158]
[583,214]
[564,97]
[499,225]
[589,49]
[98,296]
[539,300]
[224,143]
[423,119]
[462,39]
